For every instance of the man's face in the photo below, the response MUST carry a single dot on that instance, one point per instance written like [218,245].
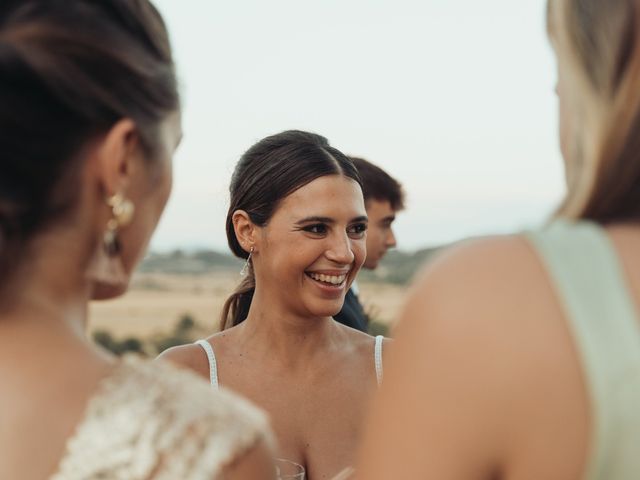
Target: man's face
[380,236]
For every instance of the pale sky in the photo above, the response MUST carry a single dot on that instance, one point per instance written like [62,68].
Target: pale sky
[454,98]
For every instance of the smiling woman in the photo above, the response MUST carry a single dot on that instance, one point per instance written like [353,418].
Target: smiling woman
[297,216]
[270,174]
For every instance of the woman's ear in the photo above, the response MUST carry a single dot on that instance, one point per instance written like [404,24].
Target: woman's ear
[115,156]
[246,230]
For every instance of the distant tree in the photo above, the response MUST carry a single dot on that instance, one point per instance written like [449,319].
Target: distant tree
[104,339]
[130,344]
[182,333]
[378,328]
[185,324]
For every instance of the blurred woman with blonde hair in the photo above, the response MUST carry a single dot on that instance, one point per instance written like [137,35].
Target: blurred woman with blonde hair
[519,356]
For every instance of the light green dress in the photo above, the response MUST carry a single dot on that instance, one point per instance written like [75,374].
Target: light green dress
[591,285]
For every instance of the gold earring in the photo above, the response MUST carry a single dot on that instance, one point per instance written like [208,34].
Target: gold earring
[122,211]
[106,271]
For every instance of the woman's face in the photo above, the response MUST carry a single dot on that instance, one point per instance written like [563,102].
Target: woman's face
[313,247]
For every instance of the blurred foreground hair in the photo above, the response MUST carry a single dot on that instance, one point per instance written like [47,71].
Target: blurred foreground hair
[598,48]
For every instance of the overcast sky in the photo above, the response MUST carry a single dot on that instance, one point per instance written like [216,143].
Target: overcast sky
[454,98]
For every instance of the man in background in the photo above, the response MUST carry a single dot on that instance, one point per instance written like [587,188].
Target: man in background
[383,198]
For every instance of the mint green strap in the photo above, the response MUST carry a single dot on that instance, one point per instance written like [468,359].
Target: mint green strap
[587,275]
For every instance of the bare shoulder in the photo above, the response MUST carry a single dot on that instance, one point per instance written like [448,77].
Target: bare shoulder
[190,356]
[194,357]
[493,258]
[362,343]
[479,276]
[484,295]
[486,310]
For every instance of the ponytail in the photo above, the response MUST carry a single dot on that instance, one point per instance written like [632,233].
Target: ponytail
[236,308]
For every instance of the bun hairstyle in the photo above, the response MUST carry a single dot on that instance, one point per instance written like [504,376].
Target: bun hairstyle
[268,172]
[598,48]
[69,70]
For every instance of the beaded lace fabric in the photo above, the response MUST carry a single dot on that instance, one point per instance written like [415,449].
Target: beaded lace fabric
[151,421]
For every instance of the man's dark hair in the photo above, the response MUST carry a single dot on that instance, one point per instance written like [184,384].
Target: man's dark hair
[378,184]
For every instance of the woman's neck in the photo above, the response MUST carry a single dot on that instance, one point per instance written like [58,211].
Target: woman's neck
[270,331]
[47,296]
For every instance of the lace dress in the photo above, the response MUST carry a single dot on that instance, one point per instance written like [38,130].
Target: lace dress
[151,421]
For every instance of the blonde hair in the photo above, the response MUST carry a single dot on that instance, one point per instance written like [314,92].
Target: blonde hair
[598,48]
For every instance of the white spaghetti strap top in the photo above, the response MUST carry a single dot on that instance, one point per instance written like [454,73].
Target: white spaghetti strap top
[378,359]
[213,365]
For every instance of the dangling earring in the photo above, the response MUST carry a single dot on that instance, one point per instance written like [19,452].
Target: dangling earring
[247,264]
[106,271]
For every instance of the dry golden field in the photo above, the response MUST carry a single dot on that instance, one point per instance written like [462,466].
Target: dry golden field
[155,302]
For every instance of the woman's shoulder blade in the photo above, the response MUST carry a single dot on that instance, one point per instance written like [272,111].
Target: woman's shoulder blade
[481,265]
[490,285]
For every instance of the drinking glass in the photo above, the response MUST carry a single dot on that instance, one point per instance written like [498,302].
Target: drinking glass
[288,470]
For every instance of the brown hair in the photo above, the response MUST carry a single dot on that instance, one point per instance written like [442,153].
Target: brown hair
[598,47]
[268,172]
[69,70]
[378,184]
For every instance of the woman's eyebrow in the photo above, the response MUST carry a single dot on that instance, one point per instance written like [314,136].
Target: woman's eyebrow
[329,220]
[315,219]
